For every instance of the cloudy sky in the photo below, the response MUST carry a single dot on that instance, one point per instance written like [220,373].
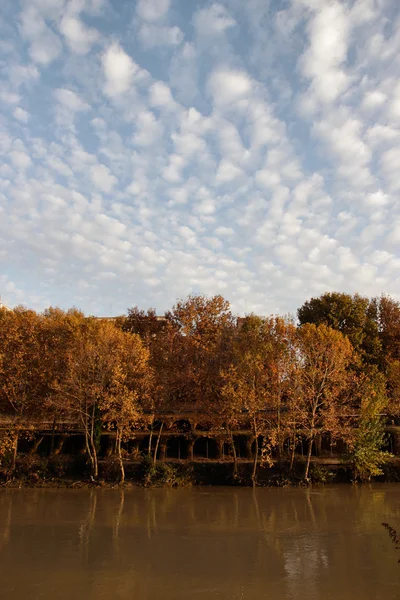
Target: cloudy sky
[156,148]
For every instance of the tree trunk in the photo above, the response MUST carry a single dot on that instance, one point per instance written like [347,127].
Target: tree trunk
[95,462]
[293,452]
[255,433]
[93,444]
[60,445]
[150,440]
[91,452]
[278,428]
[157,443]
[36,445]
[190,449]
[235,462]
[121,462]
[254,473]
[310,444]
[14,454]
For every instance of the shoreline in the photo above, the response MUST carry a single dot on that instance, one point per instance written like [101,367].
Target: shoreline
[41,472]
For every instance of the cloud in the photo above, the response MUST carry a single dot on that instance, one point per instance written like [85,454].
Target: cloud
[102,178]
[241,148]
[148,129]
[152,10]
[160,95]
[21,115]
[45,45]
[71,100]
[228,87]
[79,38]
[212,20]
[183,73]
[154,35]
[323,61]
[20,160]
[227,172]
[119,70]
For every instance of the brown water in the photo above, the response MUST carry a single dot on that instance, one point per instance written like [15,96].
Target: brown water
[324,543]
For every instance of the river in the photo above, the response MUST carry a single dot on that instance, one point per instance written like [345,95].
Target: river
[175,544]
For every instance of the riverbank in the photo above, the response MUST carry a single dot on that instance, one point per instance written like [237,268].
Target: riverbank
[70,472]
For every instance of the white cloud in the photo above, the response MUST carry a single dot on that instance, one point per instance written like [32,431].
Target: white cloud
[323,61]
[394,107]
[23,74]
[183,72]
[154,35]
[71,100]
[160,95]
[212,20]
[79,38]
[9,97]
[173,172]
[45,46]
[119,70]
[230,165]
[152,10]
[20,160]
[148,129]
[227,172]
[21,115]
[228,87]
[374,99]
[102,178]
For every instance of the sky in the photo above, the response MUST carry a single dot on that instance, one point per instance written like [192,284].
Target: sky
[155,148]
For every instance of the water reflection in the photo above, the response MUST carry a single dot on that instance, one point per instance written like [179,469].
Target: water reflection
[200,543]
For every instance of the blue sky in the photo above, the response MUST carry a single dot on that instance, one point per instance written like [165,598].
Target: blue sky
[156,148]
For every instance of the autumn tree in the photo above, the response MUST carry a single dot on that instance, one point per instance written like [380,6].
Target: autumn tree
[199,349]
[130,386]
[20,372]
[146,324]
[159,336]
[258,382]
[324,356]
[56,337]
[92,364]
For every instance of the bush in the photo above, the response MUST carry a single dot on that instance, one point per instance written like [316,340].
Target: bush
[163,474]
[320,474]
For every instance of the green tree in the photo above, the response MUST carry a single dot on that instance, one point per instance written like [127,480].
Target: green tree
[354,316]
[366,436]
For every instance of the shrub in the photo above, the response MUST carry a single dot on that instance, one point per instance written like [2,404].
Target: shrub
[163,474]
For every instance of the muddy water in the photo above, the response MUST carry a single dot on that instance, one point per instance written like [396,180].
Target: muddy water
[318,544]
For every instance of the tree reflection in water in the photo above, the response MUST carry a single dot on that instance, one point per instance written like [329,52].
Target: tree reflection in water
[226,543]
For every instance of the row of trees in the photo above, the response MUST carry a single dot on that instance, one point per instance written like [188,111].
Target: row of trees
[334,373]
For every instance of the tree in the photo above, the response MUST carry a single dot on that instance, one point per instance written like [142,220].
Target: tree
[56,336]
[145,324]
[354,316]
[130,386]
[258,382]
[91,366]
[387,314]
[366,434]
[324,357]
[200,329]
[20,372]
